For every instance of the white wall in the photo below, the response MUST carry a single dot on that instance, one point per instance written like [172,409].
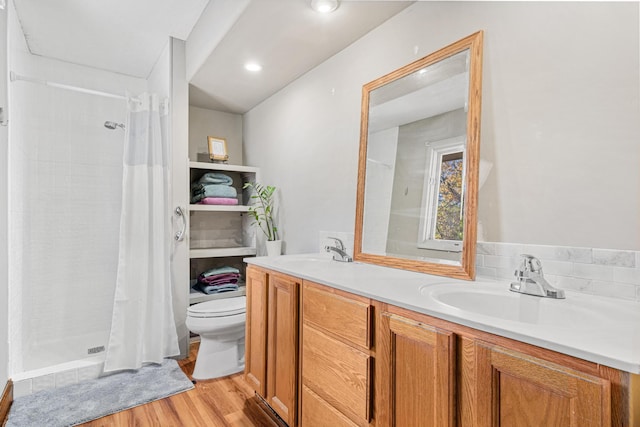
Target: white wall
[4,306]
[159,79]
[167,79]
[204,122]
[559,122]
[65,174]
[180,183]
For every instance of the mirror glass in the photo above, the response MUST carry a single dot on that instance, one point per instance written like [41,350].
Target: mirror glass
[417,181]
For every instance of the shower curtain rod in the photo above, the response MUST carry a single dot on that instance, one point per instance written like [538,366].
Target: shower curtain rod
[14,77]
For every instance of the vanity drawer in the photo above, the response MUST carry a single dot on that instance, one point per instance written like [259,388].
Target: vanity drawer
[346,317]
[318,413]
[338,373]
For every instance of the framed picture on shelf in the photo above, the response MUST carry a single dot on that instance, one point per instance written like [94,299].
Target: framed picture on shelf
[217,149]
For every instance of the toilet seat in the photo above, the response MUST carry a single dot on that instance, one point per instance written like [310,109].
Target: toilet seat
[219,307]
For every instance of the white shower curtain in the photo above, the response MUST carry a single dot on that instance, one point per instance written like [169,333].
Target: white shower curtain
[142,327]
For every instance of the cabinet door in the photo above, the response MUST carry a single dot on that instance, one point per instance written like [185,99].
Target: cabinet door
[255,368]
[513,389]
[282,374]
[416,372]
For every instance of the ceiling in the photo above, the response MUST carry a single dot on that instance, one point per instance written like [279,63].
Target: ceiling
[127,36]
[288,39]
[124,36]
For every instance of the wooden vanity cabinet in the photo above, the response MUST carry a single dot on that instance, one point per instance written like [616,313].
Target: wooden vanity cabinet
[345,360]
[255,354]
[431,372]
[416,373]
[515,389]
[337,360]
[271,351]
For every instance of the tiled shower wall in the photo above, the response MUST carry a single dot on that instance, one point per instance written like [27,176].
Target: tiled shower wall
[66,178]
[606,272]
[65,174]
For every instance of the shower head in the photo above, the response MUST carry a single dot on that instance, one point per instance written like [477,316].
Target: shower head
[113,125]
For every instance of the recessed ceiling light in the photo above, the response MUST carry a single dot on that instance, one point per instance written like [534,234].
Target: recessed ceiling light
[324,6]
[252,66]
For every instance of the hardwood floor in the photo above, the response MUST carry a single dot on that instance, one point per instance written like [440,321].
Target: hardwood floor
[223,402]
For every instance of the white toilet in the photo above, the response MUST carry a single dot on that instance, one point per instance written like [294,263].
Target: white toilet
[220,324]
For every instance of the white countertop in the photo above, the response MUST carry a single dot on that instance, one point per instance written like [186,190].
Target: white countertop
[598,329]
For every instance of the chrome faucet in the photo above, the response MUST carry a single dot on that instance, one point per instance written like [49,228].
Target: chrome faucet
[531,281]
[338,251]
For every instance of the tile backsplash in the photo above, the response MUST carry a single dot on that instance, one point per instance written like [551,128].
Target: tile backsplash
[606,272]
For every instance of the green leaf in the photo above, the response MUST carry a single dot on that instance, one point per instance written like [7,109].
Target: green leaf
[262,210]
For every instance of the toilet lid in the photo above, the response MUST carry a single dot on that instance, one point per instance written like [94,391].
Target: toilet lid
[219,307]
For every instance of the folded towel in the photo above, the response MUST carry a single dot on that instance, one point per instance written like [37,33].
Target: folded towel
[215,178]
[219,270]
[202,191]
[219,278]
[218,201]
[214,190]
[219,282]
[209,289]
[197,187]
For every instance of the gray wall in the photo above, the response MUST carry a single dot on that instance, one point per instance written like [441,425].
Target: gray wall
[204,123]
[560,126]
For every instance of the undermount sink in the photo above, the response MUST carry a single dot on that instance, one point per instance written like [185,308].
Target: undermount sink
[495,300]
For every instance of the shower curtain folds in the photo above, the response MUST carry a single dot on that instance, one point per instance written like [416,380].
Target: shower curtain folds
[143,329]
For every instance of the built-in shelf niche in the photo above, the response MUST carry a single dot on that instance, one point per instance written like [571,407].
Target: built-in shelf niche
[220,235]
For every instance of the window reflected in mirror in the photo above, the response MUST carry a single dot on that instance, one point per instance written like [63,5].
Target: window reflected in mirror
[442,226]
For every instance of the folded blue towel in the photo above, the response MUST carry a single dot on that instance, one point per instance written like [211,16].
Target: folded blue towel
[199,186]
[200,191]
[215,178]
[216,289]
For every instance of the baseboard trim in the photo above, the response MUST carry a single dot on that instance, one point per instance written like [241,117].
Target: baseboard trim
[262,403]
[5,402]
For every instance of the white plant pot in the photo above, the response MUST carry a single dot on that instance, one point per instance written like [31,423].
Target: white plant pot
[274,247]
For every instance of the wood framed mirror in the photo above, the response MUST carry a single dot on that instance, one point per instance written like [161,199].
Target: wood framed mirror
[416,206]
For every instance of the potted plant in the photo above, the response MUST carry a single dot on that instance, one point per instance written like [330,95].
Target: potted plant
[262,213]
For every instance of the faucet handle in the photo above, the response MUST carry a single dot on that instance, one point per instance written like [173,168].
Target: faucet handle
[339,243]
[528,264]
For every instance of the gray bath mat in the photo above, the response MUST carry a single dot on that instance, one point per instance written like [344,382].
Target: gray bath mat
[82,402]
